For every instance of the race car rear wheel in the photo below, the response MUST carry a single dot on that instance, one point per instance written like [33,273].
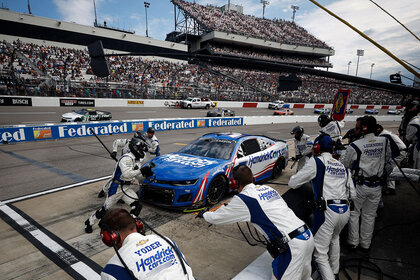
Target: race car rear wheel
[216,190]
[78,120]
[278,168]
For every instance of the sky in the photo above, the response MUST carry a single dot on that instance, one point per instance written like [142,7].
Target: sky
[362,14]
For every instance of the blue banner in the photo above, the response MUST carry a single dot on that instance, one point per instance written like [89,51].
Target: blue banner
[73,130]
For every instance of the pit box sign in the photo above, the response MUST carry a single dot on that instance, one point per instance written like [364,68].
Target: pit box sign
[65,102]
[15,101]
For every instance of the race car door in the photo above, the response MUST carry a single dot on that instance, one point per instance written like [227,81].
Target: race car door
[258,160]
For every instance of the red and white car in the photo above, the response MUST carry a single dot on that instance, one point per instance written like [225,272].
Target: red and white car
[283,112]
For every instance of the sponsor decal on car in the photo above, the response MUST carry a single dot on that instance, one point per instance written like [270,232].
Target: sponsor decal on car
[186,160]
[265,156]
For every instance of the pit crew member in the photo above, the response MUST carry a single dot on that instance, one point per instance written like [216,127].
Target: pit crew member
[303,146]
[136,257]
[290,241]
[369,159]
[333,188]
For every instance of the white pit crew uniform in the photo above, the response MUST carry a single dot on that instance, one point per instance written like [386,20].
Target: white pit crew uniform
[124,174]
[121,143]
[413,137]
[398,151]
[303,148]
[367,157]
[153,148]
[148,257]
[332,181]
[333,129]
[270,215]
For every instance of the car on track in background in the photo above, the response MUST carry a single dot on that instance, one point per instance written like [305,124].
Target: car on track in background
[394,112]
[286,106]
[322,111]
[86,115]
[371,111]
[283,112]
[276,104]
[349,111]
[221,112]
[201,172]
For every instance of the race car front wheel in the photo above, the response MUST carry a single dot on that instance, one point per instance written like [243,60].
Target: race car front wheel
[216,190]
[278,168]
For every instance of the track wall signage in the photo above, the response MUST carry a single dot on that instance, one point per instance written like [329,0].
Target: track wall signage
[74,130]
[66,102]
[15,101]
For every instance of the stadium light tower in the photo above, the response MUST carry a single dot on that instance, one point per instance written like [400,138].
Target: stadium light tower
[265,3]
[294,8]
[146,5]
[371,69]
[348,67]
[359,54]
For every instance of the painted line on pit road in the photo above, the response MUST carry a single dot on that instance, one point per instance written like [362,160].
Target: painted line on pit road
[74,263]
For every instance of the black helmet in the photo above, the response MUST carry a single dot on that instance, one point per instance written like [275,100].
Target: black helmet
[323,120]
[151,130]
[137,147]
[140,135]
[297,129]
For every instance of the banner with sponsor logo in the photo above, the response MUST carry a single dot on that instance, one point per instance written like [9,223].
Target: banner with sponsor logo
[340,104]
[74,130]
[66,102]
[15,101]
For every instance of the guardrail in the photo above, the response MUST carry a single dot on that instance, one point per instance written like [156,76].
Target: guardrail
[22,133]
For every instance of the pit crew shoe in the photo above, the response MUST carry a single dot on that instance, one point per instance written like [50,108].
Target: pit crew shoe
[88,227]
[101,194]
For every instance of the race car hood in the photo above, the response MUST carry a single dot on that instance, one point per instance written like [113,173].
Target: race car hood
[178,167]
[71,115]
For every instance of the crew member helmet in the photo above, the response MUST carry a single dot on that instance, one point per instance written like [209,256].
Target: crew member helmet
[323,120]
[297,129]
[136,147]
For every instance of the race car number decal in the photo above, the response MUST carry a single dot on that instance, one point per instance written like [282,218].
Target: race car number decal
[186,160]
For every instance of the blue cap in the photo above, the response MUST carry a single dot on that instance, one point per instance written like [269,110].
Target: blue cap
[325,141]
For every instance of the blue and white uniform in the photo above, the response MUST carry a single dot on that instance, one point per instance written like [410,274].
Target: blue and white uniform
[333,129]
[126,170]
[367,157]
[331,181]
[303,148]
[413,137]
[270,215]
[148,257]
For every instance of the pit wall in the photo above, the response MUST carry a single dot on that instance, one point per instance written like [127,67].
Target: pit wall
[108,102]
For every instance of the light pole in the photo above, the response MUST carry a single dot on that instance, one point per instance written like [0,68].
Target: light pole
[348,67]
[146,5]
[294,8]
[371,69]
[359,54]
[265,3]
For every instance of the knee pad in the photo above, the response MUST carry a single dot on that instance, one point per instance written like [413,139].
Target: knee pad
[100,213]
[136,207]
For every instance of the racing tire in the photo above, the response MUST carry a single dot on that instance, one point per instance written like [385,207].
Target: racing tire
[278,168]
[189,106]
[216,190]
[78,120]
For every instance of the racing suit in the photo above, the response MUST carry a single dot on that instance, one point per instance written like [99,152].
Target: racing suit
[369,158]
[333,187]
[333,129]
[152,148]
[270,215]
[121,143]
[303,149]
[148,257]
[126,170]
[413,137]
[398,151]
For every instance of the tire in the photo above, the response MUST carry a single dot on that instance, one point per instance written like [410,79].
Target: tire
[278,168]
[216,190]
[189,106]
[78,120]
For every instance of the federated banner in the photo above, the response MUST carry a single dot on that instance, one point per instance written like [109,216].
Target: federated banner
[74,130]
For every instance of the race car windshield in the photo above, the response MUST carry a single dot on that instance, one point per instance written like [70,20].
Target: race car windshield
[81,112]
[209,147]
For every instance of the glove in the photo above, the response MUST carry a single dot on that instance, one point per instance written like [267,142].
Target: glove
[136,167]
[298,157]
[201,212]
[114,155]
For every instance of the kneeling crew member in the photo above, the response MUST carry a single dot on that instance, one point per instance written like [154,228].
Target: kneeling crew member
[266,209]
[126,170]
[333,188]
[139,257]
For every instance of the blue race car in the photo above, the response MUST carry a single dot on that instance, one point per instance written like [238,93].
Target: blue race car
[322,111]
[201,172]
[371,111]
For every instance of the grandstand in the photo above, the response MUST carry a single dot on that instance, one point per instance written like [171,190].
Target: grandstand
[46,57]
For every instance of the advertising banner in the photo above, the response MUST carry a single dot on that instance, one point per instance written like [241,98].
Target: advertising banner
[15,101]
[74,130]
[338,111]
[65,102]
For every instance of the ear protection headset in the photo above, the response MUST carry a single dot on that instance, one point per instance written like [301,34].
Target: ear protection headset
[110,236]
[316,147]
